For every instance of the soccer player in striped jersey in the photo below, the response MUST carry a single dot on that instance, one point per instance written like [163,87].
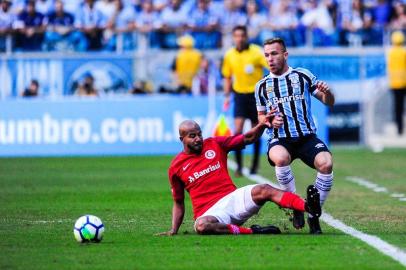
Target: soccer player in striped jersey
[293,131]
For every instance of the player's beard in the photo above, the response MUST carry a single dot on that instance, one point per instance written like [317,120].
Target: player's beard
[196,148]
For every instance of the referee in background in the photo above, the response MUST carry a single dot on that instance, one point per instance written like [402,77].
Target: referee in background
[243,66]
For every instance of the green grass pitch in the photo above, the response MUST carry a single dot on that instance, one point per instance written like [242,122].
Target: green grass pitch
[40,199]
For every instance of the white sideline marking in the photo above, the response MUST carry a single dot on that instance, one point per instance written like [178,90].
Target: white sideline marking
[390,250]
[384,247]
[372,186]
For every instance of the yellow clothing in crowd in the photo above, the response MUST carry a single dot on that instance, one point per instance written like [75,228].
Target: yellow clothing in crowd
[396,62]
[396,66]
[246,67]
[187,65]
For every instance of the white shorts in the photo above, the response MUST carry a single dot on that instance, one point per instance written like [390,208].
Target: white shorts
[235,208]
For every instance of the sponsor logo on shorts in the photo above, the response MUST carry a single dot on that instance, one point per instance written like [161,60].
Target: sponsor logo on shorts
[274,140]
[319,145]
[210,154]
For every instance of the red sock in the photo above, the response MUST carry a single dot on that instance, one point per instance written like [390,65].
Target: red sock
[292,201]
[234,229]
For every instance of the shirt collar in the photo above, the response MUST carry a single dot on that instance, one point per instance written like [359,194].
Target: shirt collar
[245,48]
[283,75]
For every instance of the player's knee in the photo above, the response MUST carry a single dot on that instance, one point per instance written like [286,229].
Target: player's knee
[280,158]
[264,192]
[202,227]
[324,165]
[280,161]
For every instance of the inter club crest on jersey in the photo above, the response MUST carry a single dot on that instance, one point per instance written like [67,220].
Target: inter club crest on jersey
[210,154]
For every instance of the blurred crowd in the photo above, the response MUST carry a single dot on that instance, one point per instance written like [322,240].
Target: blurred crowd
[89,25]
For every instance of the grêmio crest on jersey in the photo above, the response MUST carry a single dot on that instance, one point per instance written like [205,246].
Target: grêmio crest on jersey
[294,79]
[269,89]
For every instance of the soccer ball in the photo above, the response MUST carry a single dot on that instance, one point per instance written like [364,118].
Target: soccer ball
[88,228]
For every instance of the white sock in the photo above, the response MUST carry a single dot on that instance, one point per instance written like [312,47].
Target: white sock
[323,183]
[285,178]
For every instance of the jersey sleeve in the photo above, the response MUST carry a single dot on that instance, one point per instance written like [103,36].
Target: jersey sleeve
[177,186]
[226,67]
[311,79]
[229,143]
[260,96]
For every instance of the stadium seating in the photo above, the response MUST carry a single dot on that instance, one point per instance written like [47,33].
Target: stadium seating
[105,25]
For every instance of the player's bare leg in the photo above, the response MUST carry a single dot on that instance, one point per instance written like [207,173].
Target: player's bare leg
[264,192]
[210,225]
[281,157]
[239,125]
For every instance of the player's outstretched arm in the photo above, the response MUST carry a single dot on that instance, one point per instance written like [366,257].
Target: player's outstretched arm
[255,133]
[178,212]
[324,94]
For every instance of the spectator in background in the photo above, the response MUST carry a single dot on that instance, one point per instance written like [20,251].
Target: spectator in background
[255,21]
[32,90]
[399,18]
[231,16]
[318,19]
[376,18]
[87,87]
[59,33]
[352,25]
[107,7]
[396,65]
[30,28]
[6,23]
[18,6]
[141,87]
[202,80]
[205,26]
[381,13]
[120,27]
[159,5]
[186,65]
[173,23]
[72,6]
[282,22]
[147,22]
[45,7]
[91,23]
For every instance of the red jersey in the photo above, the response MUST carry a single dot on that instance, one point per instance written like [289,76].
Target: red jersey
[204,176]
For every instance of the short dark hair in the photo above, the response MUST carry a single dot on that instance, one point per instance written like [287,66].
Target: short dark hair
[240,27]
[35,82]
[275,40]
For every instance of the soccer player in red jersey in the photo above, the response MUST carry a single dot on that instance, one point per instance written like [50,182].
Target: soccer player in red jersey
[219,206]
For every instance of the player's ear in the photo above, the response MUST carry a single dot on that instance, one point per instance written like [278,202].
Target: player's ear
[181,139]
